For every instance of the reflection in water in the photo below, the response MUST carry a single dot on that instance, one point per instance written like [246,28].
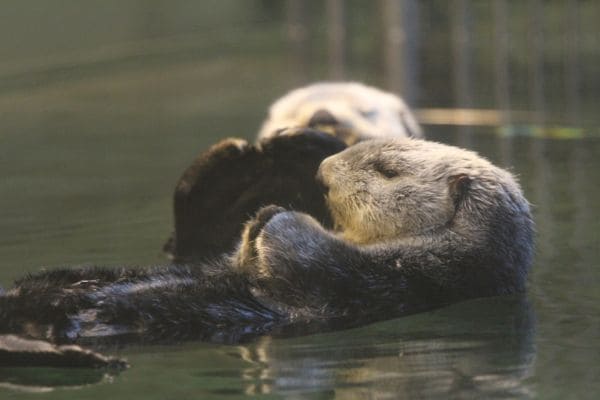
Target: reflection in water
[479,349]
[39,380]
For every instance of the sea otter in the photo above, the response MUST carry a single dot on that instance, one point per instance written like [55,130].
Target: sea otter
[350,111]
[418,225]
[230,181]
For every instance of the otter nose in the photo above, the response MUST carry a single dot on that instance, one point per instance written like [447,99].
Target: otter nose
[324,172]
[319,177]
[322,117]
[321,184]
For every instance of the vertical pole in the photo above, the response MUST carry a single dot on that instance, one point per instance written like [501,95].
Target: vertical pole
[536,60]
[572,78]
[501,70]
[461,46]
[336,35]
[297,34]
[410,18]
[461,50]
[399,19]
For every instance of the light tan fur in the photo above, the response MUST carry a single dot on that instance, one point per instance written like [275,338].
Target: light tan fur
[369,207]
[364,111]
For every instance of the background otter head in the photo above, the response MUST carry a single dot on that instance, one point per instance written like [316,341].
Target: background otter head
[349,111]
[389,189]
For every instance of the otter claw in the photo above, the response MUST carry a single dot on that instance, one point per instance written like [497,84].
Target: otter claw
[247,250]
[261,218]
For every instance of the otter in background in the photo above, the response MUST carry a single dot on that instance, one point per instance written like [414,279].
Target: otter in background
[350,111]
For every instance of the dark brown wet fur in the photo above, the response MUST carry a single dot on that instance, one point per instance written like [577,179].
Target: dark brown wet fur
[232,180]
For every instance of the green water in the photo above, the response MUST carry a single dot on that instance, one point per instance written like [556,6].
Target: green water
[92,144]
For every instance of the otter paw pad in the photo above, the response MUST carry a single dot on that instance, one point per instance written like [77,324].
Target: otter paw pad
[261,218]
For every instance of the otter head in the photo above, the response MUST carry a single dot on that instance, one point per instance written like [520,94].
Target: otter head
[388,189]
[349,111]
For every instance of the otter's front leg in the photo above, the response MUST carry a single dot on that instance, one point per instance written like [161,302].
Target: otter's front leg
[289,256]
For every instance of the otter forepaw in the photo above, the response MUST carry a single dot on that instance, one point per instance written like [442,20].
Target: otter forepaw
[261,218]
[247,251]
[230,146]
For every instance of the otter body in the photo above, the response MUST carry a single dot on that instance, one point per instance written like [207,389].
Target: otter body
[418,225]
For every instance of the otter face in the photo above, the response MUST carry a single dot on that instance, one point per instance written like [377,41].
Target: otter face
[381,190]
[349,111]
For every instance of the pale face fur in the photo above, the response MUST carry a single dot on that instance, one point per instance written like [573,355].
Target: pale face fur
[364,111]
[381,190]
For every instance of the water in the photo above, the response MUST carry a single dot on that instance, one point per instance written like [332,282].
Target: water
[92,142]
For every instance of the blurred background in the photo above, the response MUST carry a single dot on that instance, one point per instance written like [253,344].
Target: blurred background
[104,103]
[535,60]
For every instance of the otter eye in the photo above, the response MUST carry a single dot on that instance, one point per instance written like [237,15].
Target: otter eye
[387,172]
[368,114]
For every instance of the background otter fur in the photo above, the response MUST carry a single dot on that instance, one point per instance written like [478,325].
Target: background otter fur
[350,111]
[393,255]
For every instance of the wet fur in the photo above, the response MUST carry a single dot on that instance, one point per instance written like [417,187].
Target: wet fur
[290,275]
[227,184]
[148,304]
[419,223]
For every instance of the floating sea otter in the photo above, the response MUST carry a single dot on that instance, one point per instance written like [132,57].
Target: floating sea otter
[418,225]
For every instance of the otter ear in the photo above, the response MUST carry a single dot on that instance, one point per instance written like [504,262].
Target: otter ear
[458,186]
